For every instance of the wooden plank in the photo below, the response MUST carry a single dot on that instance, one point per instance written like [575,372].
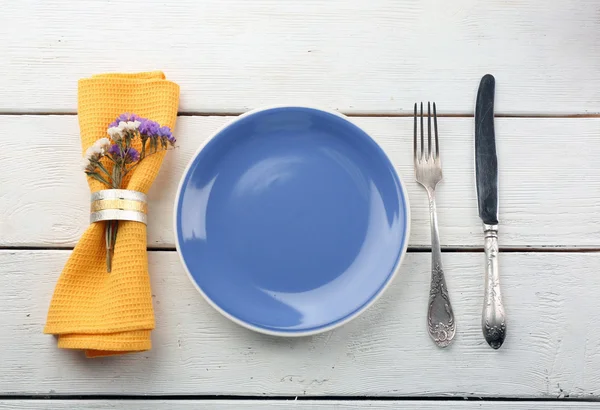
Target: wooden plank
[548,180]
[379,57]
[290,404]
[552,347]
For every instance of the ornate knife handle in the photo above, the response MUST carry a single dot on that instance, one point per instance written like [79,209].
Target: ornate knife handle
[493,321]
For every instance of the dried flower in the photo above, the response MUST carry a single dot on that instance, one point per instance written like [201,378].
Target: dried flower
[86,165]
[115,133]
[123,133]
[129,154]
[92,152]
[129,125]
[149,128]
[166,135]
[103,144]
[97,150]
[125,117]
[91,161]
[115,150]
[132,155]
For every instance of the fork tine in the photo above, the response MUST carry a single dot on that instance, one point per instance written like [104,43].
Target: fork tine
[415,136]
[437,144]
[428,130]
[422,136]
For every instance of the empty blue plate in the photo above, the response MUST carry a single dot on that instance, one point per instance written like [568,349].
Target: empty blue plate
[291,220]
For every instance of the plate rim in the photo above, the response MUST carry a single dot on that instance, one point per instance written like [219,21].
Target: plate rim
[321,329]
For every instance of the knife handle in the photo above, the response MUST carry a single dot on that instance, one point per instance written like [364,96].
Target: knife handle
[493,321]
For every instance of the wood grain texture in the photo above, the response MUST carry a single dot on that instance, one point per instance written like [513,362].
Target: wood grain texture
[375,57]
[288,404]
[549,190]
[552,347]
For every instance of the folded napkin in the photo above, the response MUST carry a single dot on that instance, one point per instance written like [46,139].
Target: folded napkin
[111,313]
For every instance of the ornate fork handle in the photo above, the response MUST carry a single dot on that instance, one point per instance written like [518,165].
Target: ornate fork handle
[440,316]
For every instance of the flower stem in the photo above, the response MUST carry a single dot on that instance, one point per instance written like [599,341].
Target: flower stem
[104,170]
[110,232]
[128,170]
[97,177]
[108,236]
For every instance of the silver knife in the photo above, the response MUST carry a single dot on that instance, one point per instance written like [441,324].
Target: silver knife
[493,321]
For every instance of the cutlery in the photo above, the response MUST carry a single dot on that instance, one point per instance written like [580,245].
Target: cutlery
[493,320]
[428,172]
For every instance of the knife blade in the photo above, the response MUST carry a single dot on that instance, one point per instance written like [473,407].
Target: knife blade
[493,320]
[486,161]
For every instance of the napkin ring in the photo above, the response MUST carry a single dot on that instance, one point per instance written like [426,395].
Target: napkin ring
[119,205]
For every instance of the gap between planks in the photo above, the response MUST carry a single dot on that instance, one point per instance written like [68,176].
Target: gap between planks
[410,249]
[348,114]
[175,397]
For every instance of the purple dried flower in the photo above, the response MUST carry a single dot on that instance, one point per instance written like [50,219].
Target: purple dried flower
[129,117]
[130,154]
[166,134]
[164,131]
[115,150]
[148,128]
[125,117]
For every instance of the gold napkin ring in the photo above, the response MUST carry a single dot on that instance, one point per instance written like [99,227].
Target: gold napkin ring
[119,205]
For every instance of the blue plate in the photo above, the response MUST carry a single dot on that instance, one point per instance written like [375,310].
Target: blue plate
[291,220]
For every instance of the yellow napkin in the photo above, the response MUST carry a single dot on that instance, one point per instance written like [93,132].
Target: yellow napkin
[111,313]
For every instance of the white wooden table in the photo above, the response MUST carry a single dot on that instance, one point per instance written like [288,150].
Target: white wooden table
[369,59]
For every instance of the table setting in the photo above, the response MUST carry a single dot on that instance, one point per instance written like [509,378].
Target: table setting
[326,205]
[290,220]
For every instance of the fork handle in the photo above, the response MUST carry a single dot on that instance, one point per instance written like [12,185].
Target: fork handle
[493,321]
[440,316]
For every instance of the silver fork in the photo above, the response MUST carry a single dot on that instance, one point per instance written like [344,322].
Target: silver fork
[428,172]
